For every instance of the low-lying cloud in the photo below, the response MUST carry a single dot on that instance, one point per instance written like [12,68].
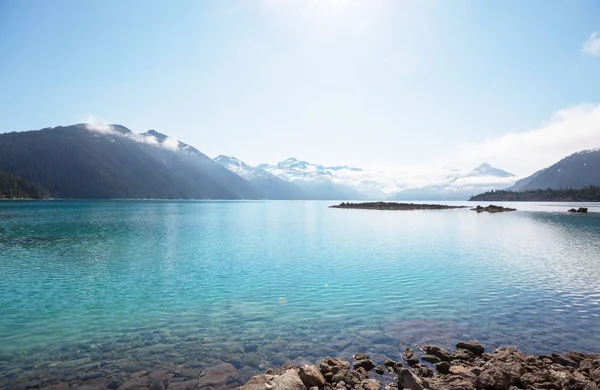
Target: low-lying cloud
[569,131]
[98,125]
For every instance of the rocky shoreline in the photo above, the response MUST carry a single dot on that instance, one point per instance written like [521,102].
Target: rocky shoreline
[394,206]
[469,367]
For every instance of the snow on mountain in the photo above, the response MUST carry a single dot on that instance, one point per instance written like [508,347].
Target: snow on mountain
[241,168]
[385,182]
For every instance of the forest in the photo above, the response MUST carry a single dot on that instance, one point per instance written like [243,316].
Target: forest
[586,194]
[13,187]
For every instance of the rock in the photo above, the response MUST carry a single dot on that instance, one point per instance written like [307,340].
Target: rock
[497,374]
[423,371]
[579,210]
[463,354]
[394,206]
[587,365]
[339,376]
[390,364]
[218,374]
[451,382]
[443,367]
[564,360]
[431,359]
[187,385]
[492,209]
[353,378]
[380,369]
[287,380]
[438,352]
[311,376]
[473,346]
[409,357]
[135,384]
[370,384]
[361,360]
[595,375]
[59,386]
[408,380]
[461,371]
[333,365]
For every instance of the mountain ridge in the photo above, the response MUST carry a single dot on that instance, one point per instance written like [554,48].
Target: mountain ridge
[577,170]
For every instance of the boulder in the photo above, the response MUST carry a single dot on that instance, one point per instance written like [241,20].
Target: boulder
[430,359]
[311,376]
[408,380]
[443,367]
[438,352]
[463,354]
[409,357]
[361,360]
[287,380]
[369,384]
[473,346]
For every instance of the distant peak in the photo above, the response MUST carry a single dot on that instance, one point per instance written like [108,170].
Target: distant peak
[121,129]
[486,169]
[159,136]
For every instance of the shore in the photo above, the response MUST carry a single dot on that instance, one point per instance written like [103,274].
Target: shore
[469,367]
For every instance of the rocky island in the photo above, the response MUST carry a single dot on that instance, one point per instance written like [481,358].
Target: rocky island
[394,206]
[492,209]
[467,368]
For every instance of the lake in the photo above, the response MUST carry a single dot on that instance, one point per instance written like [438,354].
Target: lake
[124,286]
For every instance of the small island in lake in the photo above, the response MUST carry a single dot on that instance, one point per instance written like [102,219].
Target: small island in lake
[586,194]
[492,209]
[394,206]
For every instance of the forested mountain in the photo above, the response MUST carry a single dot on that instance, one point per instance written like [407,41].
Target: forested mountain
[113,162]
[13,187]
[586,194]
[578,170]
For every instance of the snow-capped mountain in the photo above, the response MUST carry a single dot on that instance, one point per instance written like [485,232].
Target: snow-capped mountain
[242,169]
[270,185]
[344,182]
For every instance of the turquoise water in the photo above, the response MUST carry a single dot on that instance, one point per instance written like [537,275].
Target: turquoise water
[260,283]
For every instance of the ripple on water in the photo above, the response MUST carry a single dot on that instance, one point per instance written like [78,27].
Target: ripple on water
[133,285]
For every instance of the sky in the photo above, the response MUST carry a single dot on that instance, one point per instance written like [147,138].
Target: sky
[357,82]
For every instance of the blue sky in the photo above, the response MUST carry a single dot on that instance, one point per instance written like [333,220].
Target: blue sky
[330,81]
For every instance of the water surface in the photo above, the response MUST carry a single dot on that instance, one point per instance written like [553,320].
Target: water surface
[260,283]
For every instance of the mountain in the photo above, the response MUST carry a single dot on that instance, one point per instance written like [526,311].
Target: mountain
[318,181]
[345,182]
[578,170]
[457,185]
[270,185]
[13,187]
[110,161]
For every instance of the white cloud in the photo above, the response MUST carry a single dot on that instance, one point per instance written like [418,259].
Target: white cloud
[570,130]
[98,125]
[592,45]
[170,143]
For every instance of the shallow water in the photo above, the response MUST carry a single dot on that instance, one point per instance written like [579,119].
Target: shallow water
[259,283]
